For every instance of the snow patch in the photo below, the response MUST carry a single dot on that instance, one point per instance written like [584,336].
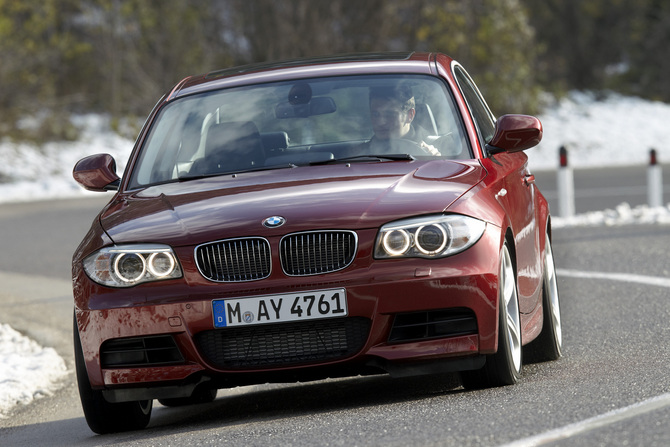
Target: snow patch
[32,172]
[621,215]
[618,130]
[27,370]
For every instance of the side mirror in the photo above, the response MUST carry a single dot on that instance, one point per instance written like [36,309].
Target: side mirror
[515,133]
[97,173]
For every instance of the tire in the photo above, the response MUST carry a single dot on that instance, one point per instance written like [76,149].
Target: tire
[549,344]
[503,367]
[102,416]
[200,396]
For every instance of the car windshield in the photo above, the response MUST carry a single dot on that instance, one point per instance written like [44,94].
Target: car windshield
[301,123]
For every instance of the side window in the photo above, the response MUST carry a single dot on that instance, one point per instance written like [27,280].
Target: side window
[478,109]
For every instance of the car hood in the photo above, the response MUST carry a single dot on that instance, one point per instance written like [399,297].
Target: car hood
[344,196]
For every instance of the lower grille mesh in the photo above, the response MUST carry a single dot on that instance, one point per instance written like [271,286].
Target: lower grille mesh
[283,344]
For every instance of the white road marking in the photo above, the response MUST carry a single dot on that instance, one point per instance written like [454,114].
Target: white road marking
[625,277]
[603,420]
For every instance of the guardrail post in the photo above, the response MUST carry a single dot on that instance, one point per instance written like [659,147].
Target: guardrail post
[566,186]
[654,181]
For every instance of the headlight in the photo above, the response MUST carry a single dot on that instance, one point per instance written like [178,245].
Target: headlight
[428,236]
[129,265]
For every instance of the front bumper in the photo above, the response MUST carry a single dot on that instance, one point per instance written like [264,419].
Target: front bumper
[428,298]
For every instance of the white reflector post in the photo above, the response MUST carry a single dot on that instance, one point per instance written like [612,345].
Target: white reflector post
[566,186]
[654,181]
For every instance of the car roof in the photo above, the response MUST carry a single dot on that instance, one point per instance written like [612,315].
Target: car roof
[336,65]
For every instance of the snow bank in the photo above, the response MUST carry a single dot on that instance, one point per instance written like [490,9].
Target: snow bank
[622,215]
[31,172]
[27,370]
[616,131]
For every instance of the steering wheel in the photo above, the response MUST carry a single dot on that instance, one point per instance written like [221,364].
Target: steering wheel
[411,147]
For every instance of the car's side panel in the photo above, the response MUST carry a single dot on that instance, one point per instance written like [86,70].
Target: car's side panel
[518,202]
[499,199]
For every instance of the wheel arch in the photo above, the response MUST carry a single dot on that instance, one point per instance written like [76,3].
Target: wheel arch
[511,246]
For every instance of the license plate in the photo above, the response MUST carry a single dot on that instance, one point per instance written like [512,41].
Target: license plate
[280,308]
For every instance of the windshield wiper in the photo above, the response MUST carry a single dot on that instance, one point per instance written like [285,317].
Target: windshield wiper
[363,158]
[234,172]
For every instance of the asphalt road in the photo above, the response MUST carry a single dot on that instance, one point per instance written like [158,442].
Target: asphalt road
[611,388]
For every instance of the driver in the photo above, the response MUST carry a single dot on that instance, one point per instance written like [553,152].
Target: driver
[392,110]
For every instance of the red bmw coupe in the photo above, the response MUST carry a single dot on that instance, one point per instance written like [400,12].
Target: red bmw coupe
[350,215]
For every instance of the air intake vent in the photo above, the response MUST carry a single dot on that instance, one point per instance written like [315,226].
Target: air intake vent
[317,252]
[140,351]
[234,260]
[433,324]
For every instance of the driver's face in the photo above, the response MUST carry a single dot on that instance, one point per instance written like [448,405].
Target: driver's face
[388,119]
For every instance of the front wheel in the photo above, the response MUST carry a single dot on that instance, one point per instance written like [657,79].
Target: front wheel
[503,367]
[102,416]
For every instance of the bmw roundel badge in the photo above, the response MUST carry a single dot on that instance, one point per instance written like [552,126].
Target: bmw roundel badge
[274,222]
